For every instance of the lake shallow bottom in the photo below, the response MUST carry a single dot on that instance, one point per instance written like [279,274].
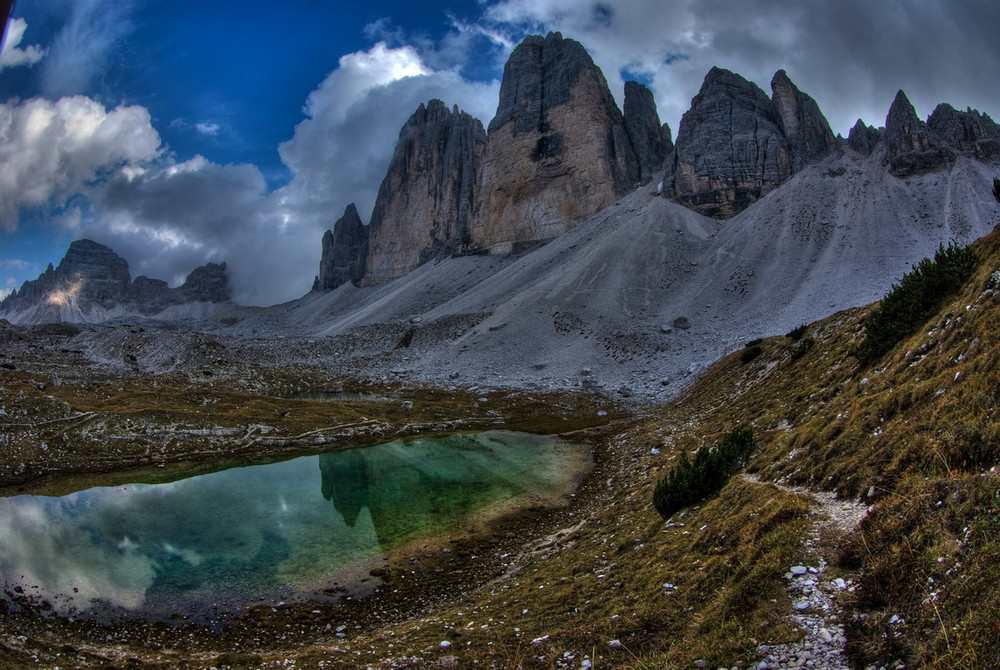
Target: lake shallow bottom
[309,528]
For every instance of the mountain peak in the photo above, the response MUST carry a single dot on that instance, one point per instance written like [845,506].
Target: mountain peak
[912,147]
[730,148]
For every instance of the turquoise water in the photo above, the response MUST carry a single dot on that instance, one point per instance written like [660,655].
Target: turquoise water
[307,528]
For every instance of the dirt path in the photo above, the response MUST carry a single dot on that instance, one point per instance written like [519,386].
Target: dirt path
[813,594]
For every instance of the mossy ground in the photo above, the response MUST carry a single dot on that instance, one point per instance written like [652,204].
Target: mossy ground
[606,580]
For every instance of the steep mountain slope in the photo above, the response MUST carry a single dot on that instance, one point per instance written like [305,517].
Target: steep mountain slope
[603,298]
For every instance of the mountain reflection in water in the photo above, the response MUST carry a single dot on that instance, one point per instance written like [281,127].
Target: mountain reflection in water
[217,542]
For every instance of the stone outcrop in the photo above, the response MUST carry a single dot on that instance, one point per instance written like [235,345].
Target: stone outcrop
[805,128]
[558,150]
[911,147]
[425,200]
[650,139]
[344,250]
[969,131]
[730,149]
[863,138]
[93,278]
[207,283]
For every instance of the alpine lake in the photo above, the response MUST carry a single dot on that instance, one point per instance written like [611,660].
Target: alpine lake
[313,528]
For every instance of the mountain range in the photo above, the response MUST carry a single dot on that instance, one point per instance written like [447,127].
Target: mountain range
[574,244]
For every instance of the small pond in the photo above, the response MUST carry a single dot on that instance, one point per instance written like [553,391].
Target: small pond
[309,528]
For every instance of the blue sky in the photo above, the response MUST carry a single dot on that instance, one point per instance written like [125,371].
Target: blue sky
[181,133]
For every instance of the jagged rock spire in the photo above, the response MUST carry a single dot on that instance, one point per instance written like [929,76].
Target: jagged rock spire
[911,147]
[558,150]
[730,148]
[650,139]
[344,248]
[805,128]
[863,138]
[424,203]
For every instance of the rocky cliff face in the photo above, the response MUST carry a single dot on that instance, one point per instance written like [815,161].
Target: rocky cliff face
[423,205]
[805,128]
[969,131]
[730,148]
[863,138]
[207,283]
[93,279]
[650,139]
[558,149]
[911,147]
[344,250]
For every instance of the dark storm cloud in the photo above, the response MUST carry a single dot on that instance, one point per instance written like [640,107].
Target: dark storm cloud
[852,56]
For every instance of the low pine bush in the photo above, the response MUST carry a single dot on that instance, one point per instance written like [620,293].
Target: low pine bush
[691,480]
[796,333]
[751,352]
[910,303]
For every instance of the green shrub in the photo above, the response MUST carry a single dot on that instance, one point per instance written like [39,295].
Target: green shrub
[691,480]
[797,333]
[800,349]
[750,353]
[915,299]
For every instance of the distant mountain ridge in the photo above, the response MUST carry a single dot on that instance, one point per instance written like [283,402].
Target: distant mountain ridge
[92,283]
[558,151]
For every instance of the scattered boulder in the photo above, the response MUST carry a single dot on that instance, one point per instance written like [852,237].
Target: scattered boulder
[682,322]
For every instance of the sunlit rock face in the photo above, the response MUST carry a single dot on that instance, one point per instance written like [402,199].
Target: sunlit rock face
[93,281]
[425,200]
[558,150]
[90,274]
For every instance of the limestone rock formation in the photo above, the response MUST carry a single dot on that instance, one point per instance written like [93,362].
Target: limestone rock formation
[912,147]
[969,131]
[863,138]
[344,250]
[730,149]
[423,205]
[207,283]
[558,150]
[91,278]
[650,140]
[805,128]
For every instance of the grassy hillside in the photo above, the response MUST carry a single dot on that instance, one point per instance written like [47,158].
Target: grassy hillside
[913,435]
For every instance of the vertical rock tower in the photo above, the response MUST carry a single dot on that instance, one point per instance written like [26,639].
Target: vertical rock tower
[558,149]
[423,205]
[344,250]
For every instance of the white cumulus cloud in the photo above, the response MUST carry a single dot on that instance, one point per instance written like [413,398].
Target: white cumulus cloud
[12,54]
[340,153]
[50,151]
